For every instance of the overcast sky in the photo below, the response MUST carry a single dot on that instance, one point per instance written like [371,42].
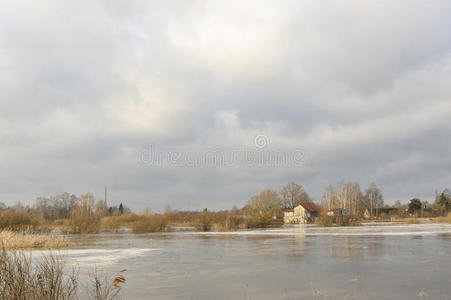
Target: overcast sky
[92,91]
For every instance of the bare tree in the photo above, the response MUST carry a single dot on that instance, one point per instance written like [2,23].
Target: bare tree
[83,218]
[56,207]
[330,198]
[292,195]
[373,199]
[347,196]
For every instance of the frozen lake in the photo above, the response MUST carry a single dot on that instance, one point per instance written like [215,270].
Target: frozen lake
[377,261]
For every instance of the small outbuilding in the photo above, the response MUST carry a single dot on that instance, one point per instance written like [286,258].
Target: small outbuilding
[337,212]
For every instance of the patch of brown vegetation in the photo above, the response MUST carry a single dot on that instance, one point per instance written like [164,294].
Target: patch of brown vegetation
[13,240]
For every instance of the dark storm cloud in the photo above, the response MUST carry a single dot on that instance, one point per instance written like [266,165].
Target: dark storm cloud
[362,88]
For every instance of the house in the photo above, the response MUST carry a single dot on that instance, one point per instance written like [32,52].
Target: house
[337,212]
[302,214]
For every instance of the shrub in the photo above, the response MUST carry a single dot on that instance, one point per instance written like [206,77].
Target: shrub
[111,224]
[10,219]
[127,218]
[324,220]
[203,221]
[83,220]
[149,223]
[346,221]
[263,210]
[229,221]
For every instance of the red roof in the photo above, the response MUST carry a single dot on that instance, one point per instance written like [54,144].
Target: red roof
[311,207]
[335,209]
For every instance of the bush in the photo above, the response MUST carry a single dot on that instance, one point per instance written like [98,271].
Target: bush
[149,223]
[257,220]
[346,221]
[10,219]
[84,223]
[127,218]
[111,224]
[324,220]
[229,221]
[203,221]
[263,210]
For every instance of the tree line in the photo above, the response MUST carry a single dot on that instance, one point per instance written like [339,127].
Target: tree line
[86,214]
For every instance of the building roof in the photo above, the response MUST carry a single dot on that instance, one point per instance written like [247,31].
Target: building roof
[311,207]
[335,209]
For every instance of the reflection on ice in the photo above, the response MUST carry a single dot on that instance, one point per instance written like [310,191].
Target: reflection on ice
[104,256]
[98,257]
[368,229]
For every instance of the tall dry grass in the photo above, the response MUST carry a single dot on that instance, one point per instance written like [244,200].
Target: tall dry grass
[104,288]
[15,240]
[411,221]
[446,219]
[48,279]
[22,278]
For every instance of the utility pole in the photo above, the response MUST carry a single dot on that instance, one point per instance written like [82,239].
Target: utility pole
[106,205]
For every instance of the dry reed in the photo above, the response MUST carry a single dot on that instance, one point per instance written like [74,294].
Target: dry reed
[14,240]
[47,279]
[446,219]
[411,221]
[104,288]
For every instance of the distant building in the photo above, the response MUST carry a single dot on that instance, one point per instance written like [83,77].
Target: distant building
[302,214]
[337,212]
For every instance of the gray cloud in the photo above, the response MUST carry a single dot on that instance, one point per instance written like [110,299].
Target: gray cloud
[362,88]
